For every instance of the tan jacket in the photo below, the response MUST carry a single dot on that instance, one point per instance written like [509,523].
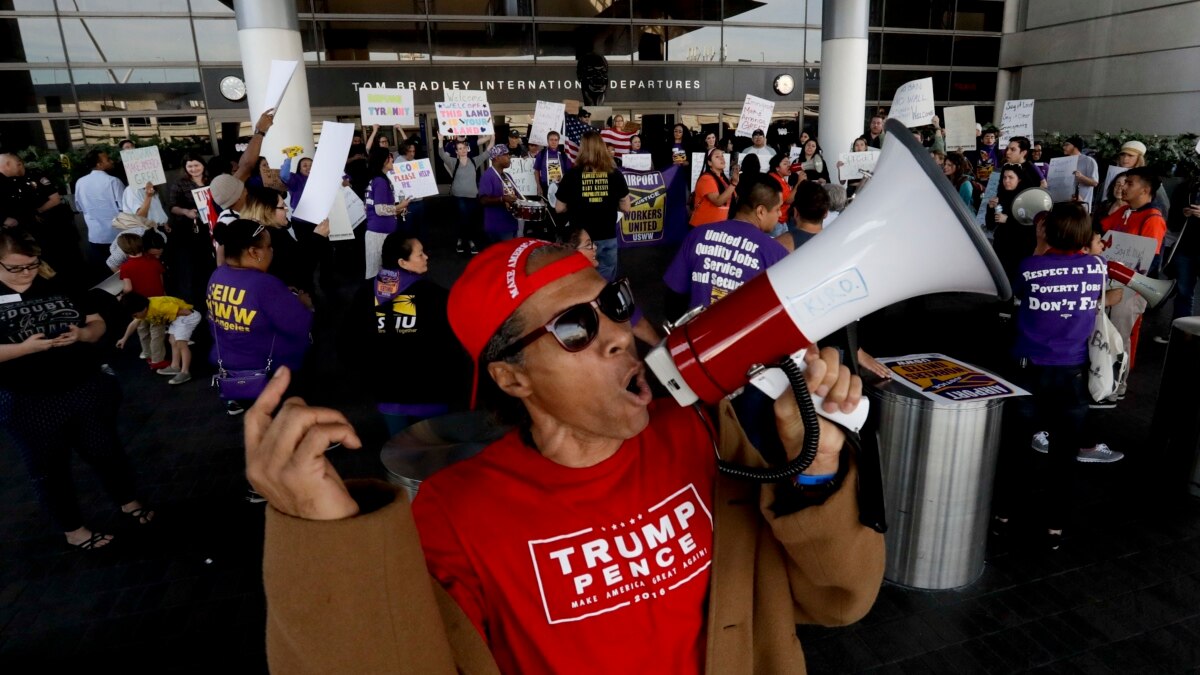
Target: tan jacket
[354,596]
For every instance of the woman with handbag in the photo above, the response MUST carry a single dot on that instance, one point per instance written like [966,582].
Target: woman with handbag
[257,322]
[190,256]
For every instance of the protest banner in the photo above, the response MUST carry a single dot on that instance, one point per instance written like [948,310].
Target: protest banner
[913,103]
[277,84]
[547,116]
[520,169]
[959,124]
[206,209]
[1016,120]
[855,163]
[325,176]
[658,208]
[991,190]
[386,106]
[467,118]
[464,96]
[143,165]
[1113,172]
[938,377]
[756,114]
[641,162]
[414,179]
[1133,251]
[1060,179]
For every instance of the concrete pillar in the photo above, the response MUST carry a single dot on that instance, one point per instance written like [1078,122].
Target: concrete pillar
[270,29]
[1012,10]
[843,74]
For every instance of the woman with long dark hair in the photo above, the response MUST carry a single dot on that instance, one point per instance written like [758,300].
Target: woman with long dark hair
[958,170]
[713,193]
[190,255]
[607,193]
[813,162]
[1013,241]
[384,207]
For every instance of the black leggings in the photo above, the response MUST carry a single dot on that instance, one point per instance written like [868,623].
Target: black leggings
[45,428]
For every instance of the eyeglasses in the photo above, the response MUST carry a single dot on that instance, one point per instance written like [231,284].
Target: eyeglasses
[577,326]
[281,207]
[17,269]
[590,246]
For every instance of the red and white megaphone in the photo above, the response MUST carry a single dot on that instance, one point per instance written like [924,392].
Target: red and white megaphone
[1155,291]
[907,233]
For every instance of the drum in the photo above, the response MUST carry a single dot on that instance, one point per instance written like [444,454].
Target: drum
[529,210]
[428,446]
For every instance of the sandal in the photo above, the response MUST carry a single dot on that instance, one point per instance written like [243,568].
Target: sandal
[93,542]
[142,516]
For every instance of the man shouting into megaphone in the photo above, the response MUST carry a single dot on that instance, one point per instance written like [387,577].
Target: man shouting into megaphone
[596,537]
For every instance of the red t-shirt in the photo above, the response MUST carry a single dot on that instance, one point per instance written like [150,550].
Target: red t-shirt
[145,272]
[603,569]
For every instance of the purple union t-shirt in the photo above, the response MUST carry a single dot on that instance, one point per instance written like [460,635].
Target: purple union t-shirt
[1059,296]
[497,221]
[718,257]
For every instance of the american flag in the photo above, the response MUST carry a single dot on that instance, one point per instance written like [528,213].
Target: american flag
[575,129]
[617,141]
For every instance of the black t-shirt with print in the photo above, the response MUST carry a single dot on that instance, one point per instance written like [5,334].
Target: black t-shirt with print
[48,309]
[592,199]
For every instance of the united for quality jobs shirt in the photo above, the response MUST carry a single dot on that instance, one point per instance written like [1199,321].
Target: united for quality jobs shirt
[1060,295]
[717,258]
[602,569]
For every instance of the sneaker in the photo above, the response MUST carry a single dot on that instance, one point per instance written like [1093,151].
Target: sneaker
[233,408]
[143,356]
[1041,442]
[1053,540]
[459,247]
[474,249]
[1101,454]
[1103,405]
[1162,339]
[169,370]
[180,378]
[254,498]
[107,370]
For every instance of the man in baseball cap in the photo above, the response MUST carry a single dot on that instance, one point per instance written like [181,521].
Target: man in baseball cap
[596,536]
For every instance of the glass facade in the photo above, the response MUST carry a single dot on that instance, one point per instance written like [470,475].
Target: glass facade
[86,71]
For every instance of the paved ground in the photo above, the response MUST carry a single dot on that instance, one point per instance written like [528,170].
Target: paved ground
[1122,596]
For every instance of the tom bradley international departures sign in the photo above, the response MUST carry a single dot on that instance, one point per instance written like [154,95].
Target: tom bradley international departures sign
[338,86]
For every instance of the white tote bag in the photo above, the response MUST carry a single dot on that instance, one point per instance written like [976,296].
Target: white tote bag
[1107,360]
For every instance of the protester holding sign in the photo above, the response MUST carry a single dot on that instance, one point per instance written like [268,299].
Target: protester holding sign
[383,206]
[293,244]
[591,194]
[295,181]
[551,164]
[713,193]
[760,148]
[813,162]
[1087,173]
[190,256]
[465,172]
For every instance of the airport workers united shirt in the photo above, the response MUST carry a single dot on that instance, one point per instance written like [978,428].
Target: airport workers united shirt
[602,569]
[1060,294]
[717,258]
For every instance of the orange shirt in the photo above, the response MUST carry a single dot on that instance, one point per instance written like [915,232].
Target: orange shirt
[787,192]
[703,210]
[1144,222]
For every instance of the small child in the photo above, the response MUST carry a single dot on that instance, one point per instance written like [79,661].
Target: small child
[143,274]
[179,317]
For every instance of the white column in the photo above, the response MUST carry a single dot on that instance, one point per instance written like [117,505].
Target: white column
[1004,76]
[267,30]
[843,74]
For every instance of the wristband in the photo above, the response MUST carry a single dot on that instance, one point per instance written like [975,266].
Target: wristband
[259,133]
[819,479]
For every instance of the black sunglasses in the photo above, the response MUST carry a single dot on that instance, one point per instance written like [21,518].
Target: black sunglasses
[577,326]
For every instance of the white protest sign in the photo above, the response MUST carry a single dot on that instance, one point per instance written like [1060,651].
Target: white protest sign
[277,84]
[1131,250]
[206,209]
[547,117]
[1113,172]
[855,163]
[641,162]
[356,210]
[386,106]
[993,187]
[466,118]
[414,179]
[520,169]
[959,124]
[697,168]
[464,96]
[325,176]
[913,103]
[1061,178]
[756,114]
[1016,120]
[794,153]
[1198,147]
[143,165]
[340,228]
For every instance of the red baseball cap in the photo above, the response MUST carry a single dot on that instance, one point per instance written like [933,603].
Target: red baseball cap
[493,286]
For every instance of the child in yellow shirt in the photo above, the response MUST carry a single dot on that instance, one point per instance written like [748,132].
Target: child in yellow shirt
[179,317]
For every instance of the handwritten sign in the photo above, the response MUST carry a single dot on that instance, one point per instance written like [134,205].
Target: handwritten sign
[464,96]
[467,118]
[991,190]
[356,210]
[277,84]
[1061,178]
[143,165]
[414,179]
[960,127]
[855,163]
[386,106]
[641,162]
[1131,250]
[938,377]
[520,169]
[1016,120]
[756,114]
[547,117]
[913,103]
[206,208]
[325,176]
[1113,172]
[697,168]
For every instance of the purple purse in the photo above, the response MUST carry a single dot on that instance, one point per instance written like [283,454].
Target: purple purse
[241,385]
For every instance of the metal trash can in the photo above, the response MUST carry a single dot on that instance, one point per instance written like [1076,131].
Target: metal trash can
[1176,426]
[939,463]
[428,446]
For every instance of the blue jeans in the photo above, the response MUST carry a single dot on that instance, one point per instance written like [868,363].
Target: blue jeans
[1187,269]
[469,228]
[606,256]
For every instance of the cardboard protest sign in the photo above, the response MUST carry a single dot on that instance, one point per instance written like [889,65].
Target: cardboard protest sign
[756,114]
[386,106]
[1016,120]
[913,103]
[640,162]
[1131,250]
[854,163]
[467,118]
[697,169]
[547,116]
[938,377]
[959,124]
[520,169]
[464,96]
[1113,172]
[1060,179]
[206,209]
[277,84]
[143,165]
[991,190]
[414,179]
[325,176]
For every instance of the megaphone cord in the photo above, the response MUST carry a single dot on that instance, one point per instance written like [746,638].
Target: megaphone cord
[812,436]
